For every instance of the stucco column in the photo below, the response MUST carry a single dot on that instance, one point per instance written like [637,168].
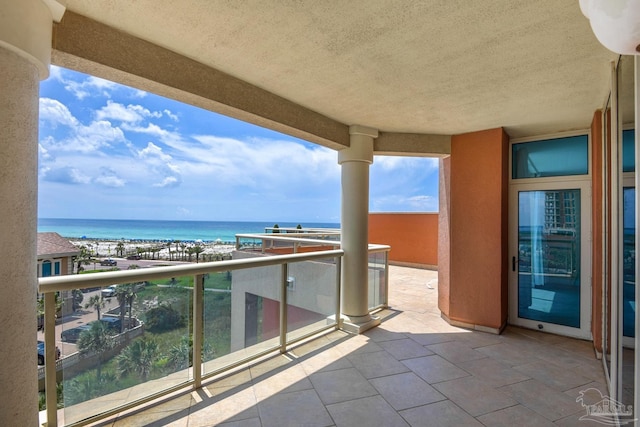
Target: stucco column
[355,162]
[25,49]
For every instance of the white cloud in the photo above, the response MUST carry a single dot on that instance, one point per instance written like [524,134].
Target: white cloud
[172,116]
[129,114]
[395,163]
[109,178]
[161,164]
[65,175]
[56,113]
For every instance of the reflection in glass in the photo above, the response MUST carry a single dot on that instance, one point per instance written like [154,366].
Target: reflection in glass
[549,256]
[629,263]
[553,157]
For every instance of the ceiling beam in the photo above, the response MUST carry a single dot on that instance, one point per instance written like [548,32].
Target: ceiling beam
[412,144]
[85,45]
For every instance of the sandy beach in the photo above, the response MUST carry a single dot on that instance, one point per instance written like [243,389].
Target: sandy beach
[106,248]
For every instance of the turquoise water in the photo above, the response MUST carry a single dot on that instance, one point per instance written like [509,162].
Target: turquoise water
[160,230]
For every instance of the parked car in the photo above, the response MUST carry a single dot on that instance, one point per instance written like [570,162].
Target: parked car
[72,335]
[109,262]
[41,353]
[134,257]
[112,324]
[109,291]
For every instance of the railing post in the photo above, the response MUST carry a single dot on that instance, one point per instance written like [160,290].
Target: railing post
[198,327]
[338,291]
[283,308]
[51,395]
[386,279]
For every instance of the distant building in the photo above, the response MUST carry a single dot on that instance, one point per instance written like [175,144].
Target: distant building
[55,258]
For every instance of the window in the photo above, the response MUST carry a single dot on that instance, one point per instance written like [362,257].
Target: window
[551,157]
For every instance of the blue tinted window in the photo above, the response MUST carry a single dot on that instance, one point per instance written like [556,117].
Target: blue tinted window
[57,268]
[46,268]
[552,157]
[628,151]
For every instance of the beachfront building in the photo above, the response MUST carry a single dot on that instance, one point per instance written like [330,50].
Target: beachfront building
[55,258]
[519,99]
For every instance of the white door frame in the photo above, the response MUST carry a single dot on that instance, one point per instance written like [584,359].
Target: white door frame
[582,183]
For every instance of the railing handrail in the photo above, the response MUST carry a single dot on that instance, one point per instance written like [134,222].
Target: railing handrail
[81,281]
[287,238]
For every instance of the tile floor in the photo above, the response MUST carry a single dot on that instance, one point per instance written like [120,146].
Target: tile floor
[413,370]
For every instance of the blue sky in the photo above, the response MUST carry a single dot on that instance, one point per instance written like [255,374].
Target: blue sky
[108,151]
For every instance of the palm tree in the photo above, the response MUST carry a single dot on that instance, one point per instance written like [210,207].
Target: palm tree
[96,302]
[125,294]
[120,249]
[197,250]
[138,358]
[83,258]
[96,340]
[183,246]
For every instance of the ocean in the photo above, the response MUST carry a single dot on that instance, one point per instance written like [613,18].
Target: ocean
[116,229]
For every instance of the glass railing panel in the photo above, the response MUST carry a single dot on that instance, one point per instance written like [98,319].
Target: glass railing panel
[377,279]
[241,315]
[137,348]
[312,297]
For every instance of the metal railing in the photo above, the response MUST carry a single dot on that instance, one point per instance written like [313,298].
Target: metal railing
[291,264]
[50,285]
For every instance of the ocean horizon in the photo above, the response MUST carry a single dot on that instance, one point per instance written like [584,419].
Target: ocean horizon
[121,229]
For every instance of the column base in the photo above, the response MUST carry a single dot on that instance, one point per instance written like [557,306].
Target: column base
[358,324]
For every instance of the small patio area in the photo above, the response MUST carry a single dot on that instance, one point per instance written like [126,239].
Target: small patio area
[412,370]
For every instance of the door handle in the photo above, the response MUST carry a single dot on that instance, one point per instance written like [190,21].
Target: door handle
[513,263]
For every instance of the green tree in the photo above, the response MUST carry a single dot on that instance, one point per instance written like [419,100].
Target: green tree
[78,297]
[276,228]
[97,303]
[163,318]
[96,340]
[138,357]
[198,250]
[120,249]
[125,294]
[83,258]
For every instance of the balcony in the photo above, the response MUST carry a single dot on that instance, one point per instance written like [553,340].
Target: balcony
[414,369]
[184,324]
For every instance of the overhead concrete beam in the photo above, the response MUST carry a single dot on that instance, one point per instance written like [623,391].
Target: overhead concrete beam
[412,144]
[85,45]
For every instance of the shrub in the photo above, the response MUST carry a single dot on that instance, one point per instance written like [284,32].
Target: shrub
[163,318]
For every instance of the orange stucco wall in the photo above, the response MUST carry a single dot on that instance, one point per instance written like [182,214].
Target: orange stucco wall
[476,197]
[413,237]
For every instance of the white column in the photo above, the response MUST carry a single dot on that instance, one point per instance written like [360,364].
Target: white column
[25,49]
[355,162]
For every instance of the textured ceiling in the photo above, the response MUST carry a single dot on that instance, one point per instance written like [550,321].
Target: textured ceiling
[437,66]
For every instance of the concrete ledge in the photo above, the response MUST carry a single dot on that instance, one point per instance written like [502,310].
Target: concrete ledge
[473,327]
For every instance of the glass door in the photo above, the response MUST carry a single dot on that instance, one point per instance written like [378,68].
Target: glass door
[550,278]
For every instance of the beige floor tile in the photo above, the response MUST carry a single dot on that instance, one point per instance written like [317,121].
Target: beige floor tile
[377,364]
[434,369]
[292,379]
[493,372]
[509,354]
[474,396]
[250,422]
[440,414]
[456,352]
[232,406]
[546,401]
[552,375]
[300,408]
[329,360]
[369,411]
[405,349]
[339,386]
[518,415]
[407,390]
